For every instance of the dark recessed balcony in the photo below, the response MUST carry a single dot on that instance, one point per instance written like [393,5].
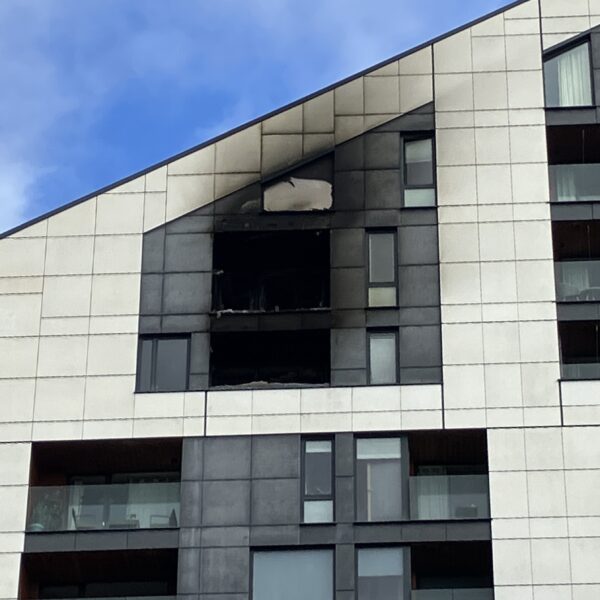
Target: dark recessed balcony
[456,594]
[106,506]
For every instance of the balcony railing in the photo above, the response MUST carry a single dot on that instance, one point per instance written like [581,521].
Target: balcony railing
[578,281]
[575,183]
[107,506]
[123,598]
[580,371]
[457,594]
[447,497]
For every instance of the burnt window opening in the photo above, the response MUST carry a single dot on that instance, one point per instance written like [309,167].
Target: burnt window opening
[270,357]
[271,271]
[580,349]
[574,163]
[307,188]
[577,256]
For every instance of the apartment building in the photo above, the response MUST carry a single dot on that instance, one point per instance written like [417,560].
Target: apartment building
[348,351]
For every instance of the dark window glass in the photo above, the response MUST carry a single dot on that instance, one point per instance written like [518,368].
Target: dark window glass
[381,574]
[383,360]
[163,364]
[293,575]
[568,79]
[171,364]
[379,479]
[382,265]
[318,494]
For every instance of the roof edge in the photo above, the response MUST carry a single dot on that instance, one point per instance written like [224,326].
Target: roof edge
[226,134]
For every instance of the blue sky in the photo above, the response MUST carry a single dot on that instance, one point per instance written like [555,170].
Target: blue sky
[94,90]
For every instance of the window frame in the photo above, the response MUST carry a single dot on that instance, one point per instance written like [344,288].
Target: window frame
[383,330]
[417,137]
[405,475]
[382,231]
[306,497]
[155,339]
[563,49]
[406,563]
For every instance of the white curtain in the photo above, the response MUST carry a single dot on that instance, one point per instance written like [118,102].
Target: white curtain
[566,184]
[432,496]
[574,277]
[574,81]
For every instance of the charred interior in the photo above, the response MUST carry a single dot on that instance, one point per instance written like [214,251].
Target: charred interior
[452,566]
[108,574]
[271,271]
[270,357]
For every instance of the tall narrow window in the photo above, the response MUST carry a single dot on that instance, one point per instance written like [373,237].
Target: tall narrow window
[379,479]
[382,269]
[318,484]
[163,364]
[381,574]
[383,357]
[568,78]
[293,575]
[419,182]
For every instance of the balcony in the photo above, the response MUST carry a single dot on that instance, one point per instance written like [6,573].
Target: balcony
[448,497]
[575,183]
[101,507]
[578,281]
[454,594]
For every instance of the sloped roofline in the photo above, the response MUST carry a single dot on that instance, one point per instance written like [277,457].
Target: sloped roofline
[257,120]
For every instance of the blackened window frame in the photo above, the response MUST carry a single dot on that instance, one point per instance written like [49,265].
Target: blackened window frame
[562,49]
[383,330]
[307,497]
[404,476]
[407,563]
[418,136]
[155,339]
[382,231]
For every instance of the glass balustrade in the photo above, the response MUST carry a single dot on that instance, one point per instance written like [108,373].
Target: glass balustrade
[446,497]
[580,370]
[107,506]
[578,281]
[575,183]
[454,594]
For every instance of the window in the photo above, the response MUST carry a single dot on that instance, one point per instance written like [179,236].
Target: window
[383,360]
[381,574]
[163,364]
[580,349]
[318,486]
[419,183]
[379,480]
[382,269]
[293,575]
[568,78]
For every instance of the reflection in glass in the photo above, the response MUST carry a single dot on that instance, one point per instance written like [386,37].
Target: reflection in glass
[578,281]
[575,183]
[378,479]
[382,358]
[381,574]
[293,575]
